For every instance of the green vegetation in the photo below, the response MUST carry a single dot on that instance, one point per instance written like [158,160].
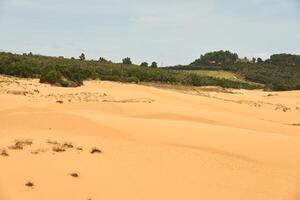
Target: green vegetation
[102,59]
[82,56]
[127,61]
[216,58]
[284,59]
[280,72]
[72,72]
[217,74]
[144,64]
[154,65]
[220,68]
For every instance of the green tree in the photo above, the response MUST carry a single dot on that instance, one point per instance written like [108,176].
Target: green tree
[259,60]
[216,58]
[154,65]
[127,61]
[102,59]
[144,64]
[82,56]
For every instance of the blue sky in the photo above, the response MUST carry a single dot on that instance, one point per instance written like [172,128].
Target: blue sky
[167,31]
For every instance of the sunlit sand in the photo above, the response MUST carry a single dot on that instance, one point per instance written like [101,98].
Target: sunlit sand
[108,140]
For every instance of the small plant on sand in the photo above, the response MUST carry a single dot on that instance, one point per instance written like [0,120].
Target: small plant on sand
[52,142]
[79,148]
[25,142]
[4,153]
[95,150]
[37,151]
[58,149]
[29,184]
[20,144]
[74,174]
[15,147]
[68,145]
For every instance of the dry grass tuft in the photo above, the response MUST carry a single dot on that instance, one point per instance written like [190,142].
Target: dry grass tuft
[4,153]
[58,149]
[37,151]
[29,184]
[74,174]
[68,145]
[52,142]
[95,150]
[20,144]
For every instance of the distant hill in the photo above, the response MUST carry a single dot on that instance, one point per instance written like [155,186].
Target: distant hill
[279,72]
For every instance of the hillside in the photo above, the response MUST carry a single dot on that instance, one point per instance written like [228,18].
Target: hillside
[281,72]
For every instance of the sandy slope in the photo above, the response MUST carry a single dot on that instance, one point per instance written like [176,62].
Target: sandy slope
[155,143]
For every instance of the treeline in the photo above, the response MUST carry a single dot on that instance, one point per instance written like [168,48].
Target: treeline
[216,58]
[72,72]
[280,72]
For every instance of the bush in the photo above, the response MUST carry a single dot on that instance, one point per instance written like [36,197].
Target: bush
[132,80]
[127,61]
[144,64]
[51,76]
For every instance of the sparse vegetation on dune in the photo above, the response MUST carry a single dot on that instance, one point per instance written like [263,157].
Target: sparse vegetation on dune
[20,144]
[58,149]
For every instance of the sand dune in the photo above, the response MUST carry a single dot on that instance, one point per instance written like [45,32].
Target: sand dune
[152,143]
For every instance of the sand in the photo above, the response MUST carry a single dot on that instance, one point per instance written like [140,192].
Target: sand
[108,140]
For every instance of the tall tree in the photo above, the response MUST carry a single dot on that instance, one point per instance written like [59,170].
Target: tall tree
[144,64]
[127,61]
[259,60]
[82,56]
[102,59]
[154,64]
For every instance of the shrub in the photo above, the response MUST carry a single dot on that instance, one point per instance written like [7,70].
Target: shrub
[144,64]
[52,77]
[127,61]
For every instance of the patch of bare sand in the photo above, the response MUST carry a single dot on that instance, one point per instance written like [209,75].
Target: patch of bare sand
[110,140]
